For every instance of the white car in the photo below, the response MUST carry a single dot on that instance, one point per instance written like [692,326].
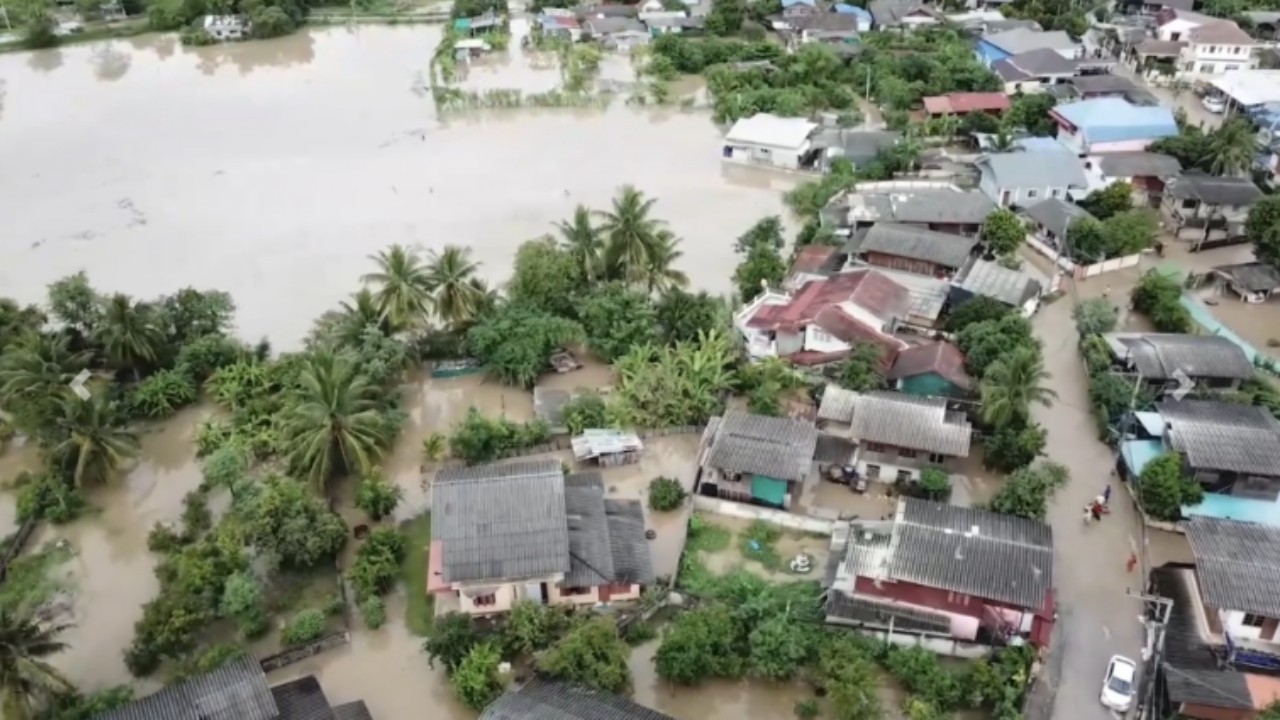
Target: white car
[1214,103]
[1117,686]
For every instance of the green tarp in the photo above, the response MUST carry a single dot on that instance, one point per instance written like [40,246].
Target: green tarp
[769,490]
[462,24]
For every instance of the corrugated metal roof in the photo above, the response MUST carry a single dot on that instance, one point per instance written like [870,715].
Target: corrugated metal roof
[911,422]
[775,447]
[546,700]
[1237,564]
[235,691]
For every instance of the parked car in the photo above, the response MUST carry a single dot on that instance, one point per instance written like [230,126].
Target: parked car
[1117,685]
[1214,103]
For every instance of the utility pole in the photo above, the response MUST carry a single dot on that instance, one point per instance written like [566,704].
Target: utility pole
[1155,617]
[4,13]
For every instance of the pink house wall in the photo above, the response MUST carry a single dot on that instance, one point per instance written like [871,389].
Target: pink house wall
[1123,146]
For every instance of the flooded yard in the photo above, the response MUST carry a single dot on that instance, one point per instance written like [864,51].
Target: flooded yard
[788,545]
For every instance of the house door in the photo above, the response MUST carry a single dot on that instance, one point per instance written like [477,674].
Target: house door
[1005,198]
[533,591]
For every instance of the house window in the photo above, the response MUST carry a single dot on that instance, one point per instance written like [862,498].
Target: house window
[485,600]
[1031,194]
[874,447]
[1230,68]
[957,598]
[905,453]
[1055,193]
[1213,49]
[873,472]
[1251,620]
[822,337]
[571,591]
[1190,204]
[904,476]
[937,459]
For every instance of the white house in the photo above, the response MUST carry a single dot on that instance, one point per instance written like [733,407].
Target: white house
[1026,178]
[226,27]
[770,140]
[1210,46]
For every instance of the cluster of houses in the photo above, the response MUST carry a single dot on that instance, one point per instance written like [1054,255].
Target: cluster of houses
[621,27]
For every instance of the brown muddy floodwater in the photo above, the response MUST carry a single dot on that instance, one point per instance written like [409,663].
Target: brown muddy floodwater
[272,169]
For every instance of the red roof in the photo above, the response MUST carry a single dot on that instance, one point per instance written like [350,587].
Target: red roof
[961,103]
[867,289]
[942,358]
[811,258]
[844,326]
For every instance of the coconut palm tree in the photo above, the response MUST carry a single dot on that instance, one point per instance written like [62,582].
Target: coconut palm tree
[451,278]
[1232,148]
[332,424]
[27,680]
[1011,384]
[403,293]
[630,234]
[38,366]
[94,441]
[582,240]
[129,335]
[660,275]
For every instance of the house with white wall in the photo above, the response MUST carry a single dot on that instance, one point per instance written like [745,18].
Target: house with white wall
[1237,573]
[1209,45]
[1028,177]
[823,319]
[1111,124]
[900,435]
[771,141]
[526,531]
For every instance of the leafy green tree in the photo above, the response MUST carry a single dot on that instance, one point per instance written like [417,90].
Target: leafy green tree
[163,393]
[1085,241]
[515,343]
[377,563]
[766,231]
[1012,384]
[377,497]
[1263,227]
[332,424]
[1164,489]
[191,314]
[305,627]
[128,334]
[475,680]
[1158,297]
[528,628]
[452,637]
[1270,712]
[242,601]
[700,644]
[94,443]
[1032,112]
[673,385]
[289,522]
[976,309]
[34,373]
[583,243]
[630,235]
[682,315]
[616,319]
[481,439]
[403,289]
[1130,232]
[27,680]
[1095,316]
[1027,491]
[781,648]
[74,706]
[665,494]
[1014,446]
[762,268]
[935,484]
[726,18]
[1003,232]
[591,655]
[545,278]
[847,672]
[451,278]
[982,343]
[1109,201]
[861,371]
[74,303]
[585,411]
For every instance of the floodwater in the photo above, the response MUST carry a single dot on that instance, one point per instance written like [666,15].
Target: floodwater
[111,576]
[17,457]
[272,169]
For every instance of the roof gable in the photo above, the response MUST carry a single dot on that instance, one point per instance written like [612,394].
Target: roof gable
[918,244]
[938,357]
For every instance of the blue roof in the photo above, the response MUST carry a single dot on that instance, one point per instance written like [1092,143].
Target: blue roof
[1137,453]
[853,10]
[1116,120]
[1035,144]
[1230,507]
[1152,422]
[789,3]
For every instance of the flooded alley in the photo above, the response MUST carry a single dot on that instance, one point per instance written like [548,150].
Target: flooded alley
[272,169]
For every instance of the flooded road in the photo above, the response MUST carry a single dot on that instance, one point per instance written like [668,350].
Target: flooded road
[272,169]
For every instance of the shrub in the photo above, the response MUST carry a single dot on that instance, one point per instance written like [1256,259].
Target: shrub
[806,709]
[665,494]
[935,485]
[307,626]
[1164,489]
[480,439]
[1014,446]
[377,497]
[377,563]
[374,612]
[475,680]
[1095,316]
[47,496]
[585,411]
[163,394]
[1027,491]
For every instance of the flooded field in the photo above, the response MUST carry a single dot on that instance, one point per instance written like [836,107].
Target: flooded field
[271,169]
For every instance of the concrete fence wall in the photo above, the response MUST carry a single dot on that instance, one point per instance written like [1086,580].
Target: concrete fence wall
[933,643]
[792,521]
[289,657]
[563,443]
[1080,272]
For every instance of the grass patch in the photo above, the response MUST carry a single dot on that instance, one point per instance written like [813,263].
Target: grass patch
[705,536]
[419,612]
[758,543]
[28,583]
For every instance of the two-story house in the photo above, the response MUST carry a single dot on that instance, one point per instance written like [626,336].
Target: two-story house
[1210,46]
[1025,178]
[525,530]
[900,435]
[1208,210]
[928,204]
[756,459]
[1230,449]
[824,318]
[1162,360]
[933,569]
[994,47]
[1237,573]
[911,249]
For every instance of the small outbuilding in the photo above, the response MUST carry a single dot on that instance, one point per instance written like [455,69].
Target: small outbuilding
[772,141]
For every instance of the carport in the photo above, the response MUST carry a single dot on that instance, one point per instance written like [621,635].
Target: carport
[1245,89]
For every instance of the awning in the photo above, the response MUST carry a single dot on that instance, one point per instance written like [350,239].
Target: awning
[769,490]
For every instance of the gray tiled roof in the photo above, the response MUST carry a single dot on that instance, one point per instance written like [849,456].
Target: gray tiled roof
[1251,277]
[964,550]
[1008,71]
[774,447]
[235,691]
[886,13]
[302,699]
[1191,670]
[1055,214]
[1158,356]
[832,450]
[632,561]
[1228,191]
[837,404]
[910,422]
[1223,436]
[993,280]
[1043,61]
[918,244]
[1139,164]
[590,559]
[352,711]
[498,522]
[546,700]
[1024,40]
[1237,564]
[1035,169]
[920,206]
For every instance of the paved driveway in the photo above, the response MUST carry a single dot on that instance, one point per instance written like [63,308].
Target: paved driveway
[1096,619]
